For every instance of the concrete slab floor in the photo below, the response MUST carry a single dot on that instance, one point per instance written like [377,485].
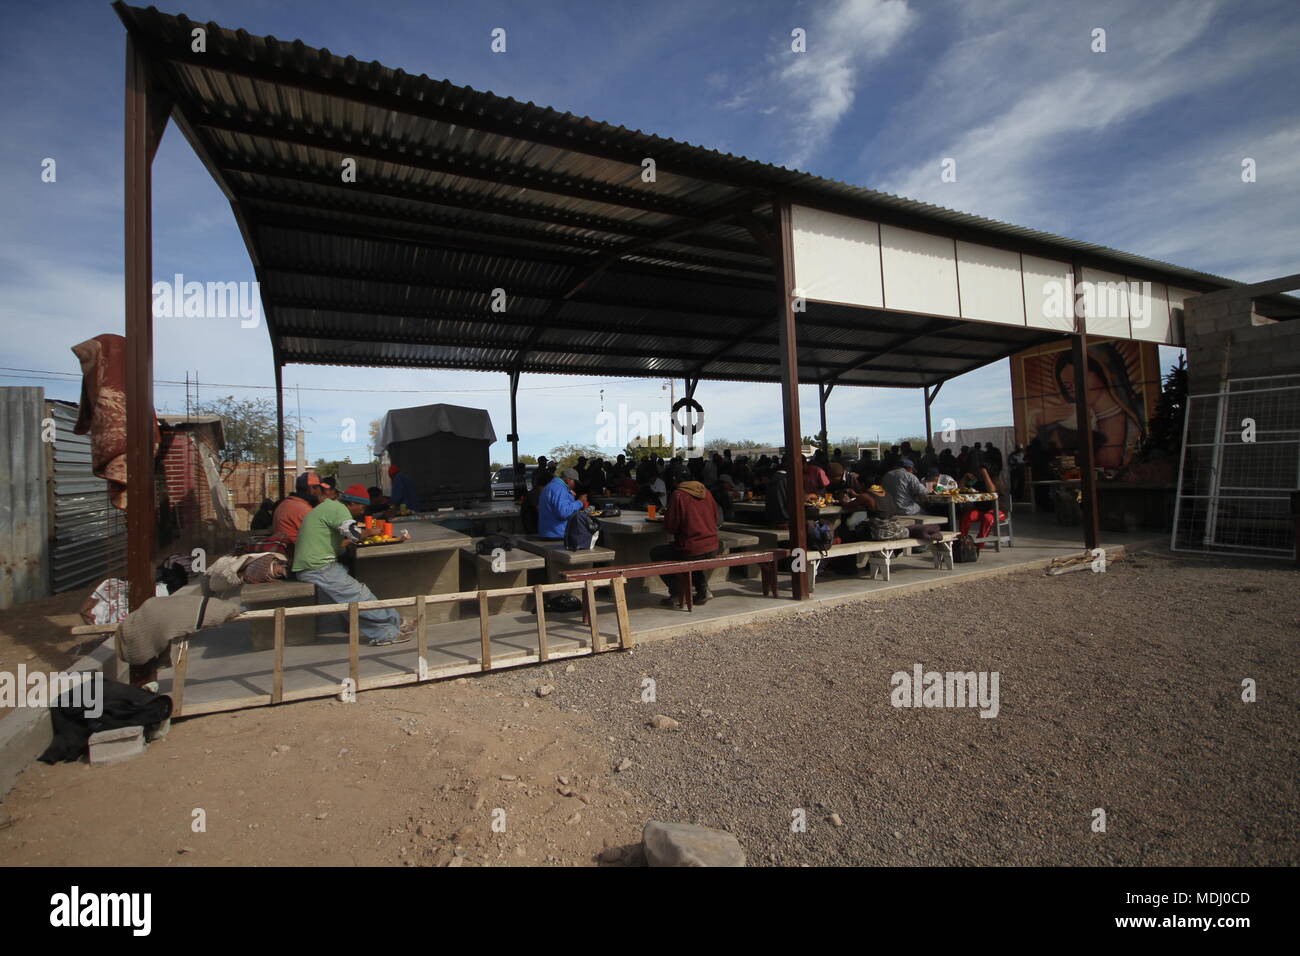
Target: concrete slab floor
[223,666]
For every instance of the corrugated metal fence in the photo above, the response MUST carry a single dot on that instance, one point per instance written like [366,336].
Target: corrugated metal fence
[89,533]
[24,529]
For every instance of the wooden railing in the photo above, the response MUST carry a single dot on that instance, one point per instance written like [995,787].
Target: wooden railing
[421,603]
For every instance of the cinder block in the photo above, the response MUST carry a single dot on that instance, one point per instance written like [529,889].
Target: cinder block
[114,746]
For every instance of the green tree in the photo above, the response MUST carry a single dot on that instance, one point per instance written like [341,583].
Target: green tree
[640,448]
[566,456]
[720,445]
[248,426]
[1164,435]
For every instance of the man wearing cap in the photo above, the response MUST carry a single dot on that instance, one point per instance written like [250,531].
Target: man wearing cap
[403,492]
[557,502]
[290,512]
[902,488]
[329,529]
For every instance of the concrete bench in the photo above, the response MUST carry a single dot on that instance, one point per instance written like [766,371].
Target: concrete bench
[558,559]
[273,594]
[683,570]
[732,542]
[922,519]
[766,537]
[483,572]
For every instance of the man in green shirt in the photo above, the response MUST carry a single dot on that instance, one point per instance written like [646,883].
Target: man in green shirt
[327,530]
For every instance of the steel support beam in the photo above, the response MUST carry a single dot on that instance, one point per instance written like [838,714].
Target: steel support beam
[790,393]
[1086,458]
[279,423]
[823,393]
[929,400]
[514,432]
[145,116]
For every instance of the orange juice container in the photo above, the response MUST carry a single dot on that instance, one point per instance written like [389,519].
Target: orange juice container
[388,529]
[370,522]
[650,512]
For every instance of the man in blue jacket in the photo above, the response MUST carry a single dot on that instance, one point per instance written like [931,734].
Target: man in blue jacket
[557,503]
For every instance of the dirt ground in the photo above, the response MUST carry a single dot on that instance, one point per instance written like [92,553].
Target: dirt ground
[1119,691]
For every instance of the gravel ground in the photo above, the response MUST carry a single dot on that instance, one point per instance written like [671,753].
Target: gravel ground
[1119,691]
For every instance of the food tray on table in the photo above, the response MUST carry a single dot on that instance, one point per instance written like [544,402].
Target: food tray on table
[381,544]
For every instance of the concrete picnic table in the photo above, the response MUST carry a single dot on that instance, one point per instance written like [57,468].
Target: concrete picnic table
[760,508]
[427,564]
[631,535]
[974,498]
[483,517]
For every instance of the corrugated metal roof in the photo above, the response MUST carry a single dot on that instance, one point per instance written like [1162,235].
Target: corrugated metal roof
[461,192]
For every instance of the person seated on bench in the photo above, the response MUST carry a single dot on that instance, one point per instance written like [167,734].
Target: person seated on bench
[903,488]
[325,533]
[289,513]
[981,481]
[693,519]
[777,503]
[722,494]
[529,512]
[556,503]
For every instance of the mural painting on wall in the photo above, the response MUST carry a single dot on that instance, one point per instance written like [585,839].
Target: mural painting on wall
[1122,380]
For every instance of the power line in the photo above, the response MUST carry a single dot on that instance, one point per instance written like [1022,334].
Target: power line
[46,375]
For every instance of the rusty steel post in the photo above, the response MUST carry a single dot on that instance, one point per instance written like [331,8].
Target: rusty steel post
[789,350]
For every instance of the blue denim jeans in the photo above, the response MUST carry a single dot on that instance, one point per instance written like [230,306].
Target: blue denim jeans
[339,587]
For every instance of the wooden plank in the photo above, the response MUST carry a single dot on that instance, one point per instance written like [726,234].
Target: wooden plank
[620,607]
[543,652]
[354,643]
[277,679]
[181,665]
[421,634]
[597,645]
[485,641]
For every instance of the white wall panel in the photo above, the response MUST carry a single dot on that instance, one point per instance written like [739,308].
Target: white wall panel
[1149,311]
[1049,295]
[1105,303]
[920,272]
[991,290]
[836,258]
[1176,297]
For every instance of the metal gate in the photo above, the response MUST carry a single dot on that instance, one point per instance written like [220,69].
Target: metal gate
[1240,464]
[89,533]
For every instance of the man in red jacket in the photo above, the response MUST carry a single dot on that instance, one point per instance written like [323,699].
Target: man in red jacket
[693,518]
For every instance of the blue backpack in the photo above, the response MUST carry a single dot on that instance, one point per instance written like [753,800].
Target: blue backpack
[820,536]
[581,532]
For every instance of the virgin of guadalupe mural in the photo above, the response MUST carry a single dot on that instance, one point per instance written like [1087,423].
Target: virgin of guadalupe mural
[1117,407]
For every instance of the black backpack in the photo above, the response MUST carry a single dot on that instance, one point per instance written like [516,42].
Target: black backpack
[581,532]
[493,541]
[964,550]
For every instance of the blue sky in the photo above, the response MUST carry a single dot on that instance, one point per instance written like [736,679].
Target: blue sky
[1138,148]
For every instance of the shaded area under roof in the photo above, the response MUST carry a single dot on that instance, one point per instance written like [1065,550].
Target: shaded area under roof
[459,193]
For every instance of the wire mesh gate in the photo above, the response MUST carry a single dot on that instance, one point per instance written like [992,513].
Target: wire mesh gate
[1240,465]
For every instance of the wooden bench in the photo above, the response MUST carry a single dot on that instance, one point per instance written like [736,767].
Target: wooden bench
[273,594]
[486,573]
[765,560]
[877,555]
[943,550]
[557,558]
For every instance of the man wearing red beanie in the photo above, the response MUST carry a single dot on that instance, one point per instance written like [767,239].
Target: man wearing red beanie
[329,528]
[403,492]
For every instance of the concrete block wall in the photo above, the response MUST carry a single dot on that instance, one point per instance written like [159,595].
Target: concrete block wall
[1223,322]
